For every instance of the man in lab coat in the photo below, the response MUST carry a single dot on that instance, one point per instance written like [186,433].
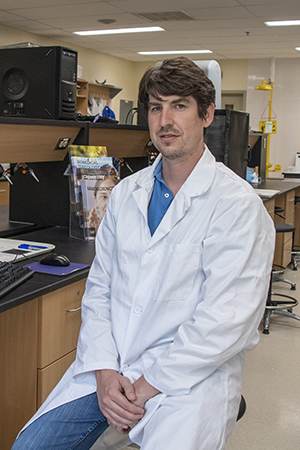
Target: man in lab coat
[175,293]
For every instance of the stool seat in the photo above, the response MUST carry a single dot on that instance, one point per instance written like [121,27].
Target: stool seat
[242,408]
[281,227]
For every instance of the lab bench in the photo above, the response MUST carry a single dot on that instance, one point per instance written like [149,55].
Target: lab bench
[39,326]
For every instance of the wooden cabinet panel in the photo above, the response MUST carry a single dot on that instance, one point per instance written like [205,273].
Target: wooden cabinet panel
[50,376]
[18,375]
[278,250]
[82,96]
[297,224]
[286,252]
[59,324]
[4,193]
[270,207]
[289,205]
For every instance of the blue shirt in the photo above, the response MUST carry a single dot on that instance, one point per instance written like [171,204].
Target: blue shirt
[160,200]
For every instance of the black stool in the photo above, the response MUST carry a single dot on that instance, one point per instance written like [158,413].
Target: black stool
[295,248]
[276,274]
[242,408]
[274,306]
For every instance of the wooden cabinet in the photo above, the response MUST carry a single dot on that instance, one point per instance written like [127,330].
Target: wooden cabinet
[48,377]
[82,96]
[38,344]
[4,193]
[297,220]
[270,207]
[284,241]
[58,328]
[85,89]
[18,369]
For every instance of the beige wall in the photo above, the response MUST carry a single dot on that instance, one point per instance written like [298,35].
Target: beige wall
[234,74]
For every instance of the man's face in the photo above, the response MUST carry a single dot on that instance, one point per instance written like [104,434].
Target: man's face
[176,129]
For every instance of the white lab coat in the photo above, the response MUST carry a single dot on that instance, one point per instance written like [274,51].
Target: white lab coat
[180,307]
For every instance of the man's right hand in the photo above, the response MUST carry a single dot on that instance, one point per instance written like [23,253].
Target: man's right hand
[115,394]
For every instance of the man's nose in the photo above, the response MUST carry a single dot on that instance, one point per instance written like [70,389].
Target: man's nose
[166,117]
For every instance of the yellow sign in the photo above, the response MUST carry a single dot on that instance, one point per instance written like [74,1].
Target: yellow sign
[262,126]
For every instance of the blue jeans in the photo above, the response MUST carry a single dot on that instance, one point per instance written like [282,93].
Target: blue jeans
[74,425]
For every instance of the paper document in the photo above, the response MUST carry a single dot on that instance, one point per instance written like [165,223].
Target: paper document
[12,250]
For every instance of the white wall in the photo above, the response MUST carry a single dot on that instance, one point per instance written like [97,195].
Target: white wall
[286,106]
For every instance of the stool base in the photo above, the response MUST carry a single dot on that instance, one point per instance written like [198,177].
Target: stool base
[278,307]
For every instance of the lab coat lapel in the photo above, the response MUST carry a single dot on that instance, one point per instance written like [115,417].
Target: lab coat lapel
[196,185]
[143,192]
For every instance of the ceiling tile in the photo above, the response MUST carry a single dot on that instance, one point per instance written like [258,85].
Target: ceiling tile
[219,13]
[137,6]
[221,27]
[67,11]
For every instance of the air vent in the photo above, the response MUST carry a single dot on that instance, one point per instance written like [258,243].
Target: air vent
[168,16]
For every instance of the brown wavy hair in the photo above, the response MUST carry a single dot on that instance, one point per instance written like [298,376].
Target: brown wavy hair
[178,76]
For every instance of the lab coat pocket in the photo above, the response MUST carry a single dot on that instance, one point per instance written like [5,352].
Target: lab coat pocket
[180,266]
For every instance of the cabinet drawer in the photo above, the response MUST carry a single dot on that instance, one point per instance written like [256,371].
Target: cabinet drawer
[50,376]
[4,193]
[59,324]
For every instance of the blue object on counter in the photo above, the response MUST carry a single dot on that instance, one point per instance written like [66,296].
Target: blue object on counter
[31,247]
[56,270]
[107,112]
[249,174]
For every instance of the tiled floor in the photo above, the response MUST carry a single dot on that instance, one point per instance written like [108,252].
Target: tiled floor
[272,385]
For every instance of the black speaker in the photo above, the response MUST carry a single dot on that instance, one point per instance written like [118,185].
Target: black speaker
[38,82]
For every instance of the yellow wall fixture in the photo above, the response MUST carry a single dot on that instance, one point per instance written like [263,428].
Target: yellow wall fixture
[267,86]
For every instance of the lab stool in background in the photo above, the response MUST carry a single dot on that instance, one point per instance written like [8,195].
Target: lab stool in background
[295,248]
[276,276]
[274,306]
[284,228]
[111,440]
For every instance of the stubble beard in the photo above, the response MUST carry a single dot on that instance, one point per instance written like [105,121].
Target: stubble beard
[171,154]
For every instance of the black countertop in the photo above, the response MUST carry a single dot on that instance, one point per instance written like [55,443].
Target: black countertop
[9,228]
[78,251]
[282,185]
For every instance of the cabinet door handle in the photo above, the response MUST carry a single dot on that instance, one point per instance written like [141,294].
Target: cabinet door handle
[3,190]
[74,310]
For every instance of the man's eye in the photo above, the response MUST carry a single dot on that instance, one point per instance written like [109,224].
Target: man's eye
[180,106]
[155,108]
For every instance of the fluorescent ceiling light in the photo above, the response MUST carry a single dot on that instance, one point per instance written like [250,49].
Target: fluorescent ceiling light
[297,48]
[282,23]
[118,31]
[175,52]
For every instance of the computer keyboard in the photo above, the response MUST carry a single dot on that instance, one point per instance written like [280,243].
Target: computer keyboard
[12,276]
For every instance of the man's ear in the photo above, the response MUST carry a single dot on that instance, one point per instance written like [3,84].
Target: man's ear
[209,115]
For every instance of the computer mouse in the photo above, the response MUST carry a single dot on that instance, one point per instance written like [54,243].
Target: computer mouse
[55,260]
